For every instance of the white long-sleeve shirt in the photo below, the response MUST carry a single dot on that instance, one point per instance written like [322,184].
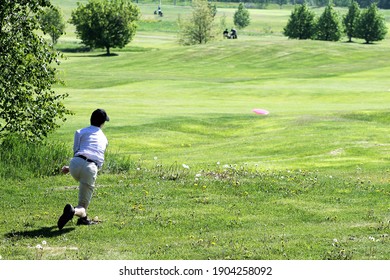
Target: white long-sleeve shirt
[91,143]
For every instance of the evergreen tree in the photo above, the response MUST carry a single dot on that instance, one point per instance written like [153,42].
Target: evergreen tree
[301,23]
[371,25]
[350,20]
[241,17]
[328,27]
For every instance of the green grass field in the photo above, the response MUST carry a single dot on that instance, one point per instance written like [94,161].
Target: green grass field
[308,181]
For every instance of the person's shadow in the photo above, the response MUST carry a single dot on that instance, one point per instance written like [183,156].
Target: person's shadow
[41,232]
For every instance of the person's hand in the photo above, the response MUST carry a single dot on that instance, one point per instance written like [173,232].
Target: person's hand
[65,169]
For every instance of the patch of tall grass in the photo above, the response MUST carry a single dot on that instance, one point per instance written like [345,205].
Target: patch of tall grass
[22,159]
[117,164]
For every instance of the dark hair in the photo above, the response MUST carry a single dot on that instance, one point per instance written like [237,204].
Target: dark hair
[99,117]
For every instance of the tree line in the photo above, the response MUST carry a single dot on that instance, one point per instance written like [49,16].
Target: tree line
[367,24]
[382,4]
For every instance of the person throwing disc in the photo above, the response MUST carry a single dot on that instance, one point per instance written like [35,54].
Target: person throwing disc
[89,147]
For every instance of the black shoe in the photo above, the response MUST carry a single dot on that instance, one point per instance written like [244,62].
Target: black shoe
[66,216]
[85,221]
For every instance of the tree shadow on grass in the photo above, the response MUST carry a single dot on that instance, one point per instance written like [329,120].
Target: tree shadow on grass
[41,232]
[86,51]
[80,49]
[86,54]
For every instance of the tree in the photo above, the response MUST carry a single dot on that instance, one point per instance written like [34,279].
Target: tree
[241,17]
[371,25]
[350,20]
[200,27]
[52,22]
[301,23]
[29,107]
[328,27]
[106,23]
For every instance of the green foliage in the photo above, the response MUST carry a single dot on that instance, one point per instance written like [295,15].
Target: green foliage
[53,23]
[106,23]
[301,24]
[241,17]
[368,25]
[199,28]
[22,159]
[328,27]
[371,25]
[28,105]
[350,20]
[213,9]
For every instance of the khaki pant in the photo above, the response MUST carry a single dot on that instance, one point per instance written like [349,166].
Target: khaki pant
[85,173]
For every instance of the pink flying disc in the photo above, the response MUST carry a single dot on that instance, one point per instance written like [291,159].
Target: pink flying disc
[260,111]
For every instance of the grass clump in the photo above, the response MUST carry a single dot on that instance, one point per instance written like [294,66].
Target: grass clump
[22,159]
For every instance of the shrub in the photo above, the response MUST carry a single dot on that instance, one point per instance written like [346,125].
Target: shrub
[241,17]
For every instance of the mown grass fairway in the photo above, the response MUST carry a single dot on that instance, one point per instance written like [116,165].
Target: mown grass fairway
[207,178]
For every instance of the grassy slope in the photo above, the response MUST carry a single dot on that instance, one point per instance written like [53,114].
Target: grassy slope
[328,104]
[176,103]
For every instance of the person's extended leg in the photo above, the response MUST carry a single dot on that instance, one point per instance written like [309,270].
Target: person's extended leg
[84,172]
[68,212]
[86,188]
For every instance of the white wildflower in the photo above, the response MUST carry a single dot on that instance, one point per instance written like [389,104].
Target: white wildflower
[371,238]
[39,247]
[44,242]
[186,166]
